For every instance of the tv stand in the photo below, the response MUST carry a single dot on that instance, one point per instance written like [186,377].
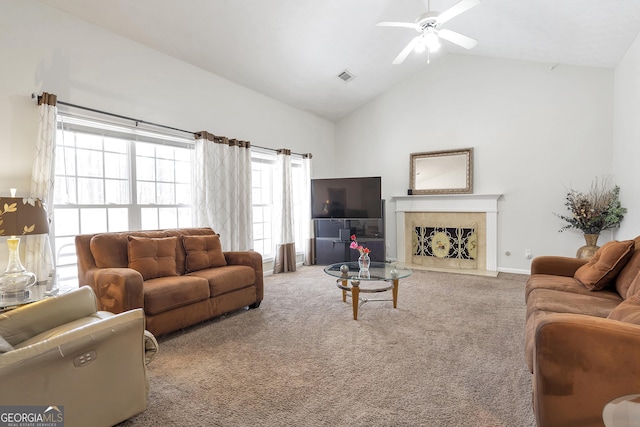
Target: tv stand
[333,237]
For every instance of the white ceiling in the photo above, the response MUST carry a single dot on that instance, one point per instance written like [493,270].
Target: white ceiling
[293,50]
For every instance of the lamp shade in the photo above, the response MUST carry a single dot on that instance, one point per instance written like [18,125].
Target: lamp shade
[19,217]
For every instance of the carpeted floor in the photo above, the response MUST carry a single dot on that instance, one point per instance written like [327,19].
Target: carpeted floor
[451,354]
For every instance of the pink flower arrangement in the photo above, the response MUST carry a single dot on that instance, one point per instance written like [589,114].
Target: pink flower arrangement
[354,245]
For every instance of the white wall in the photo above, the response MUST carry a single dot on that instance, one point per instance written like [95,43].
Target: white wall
[43,49]
[626,149]
[535,132]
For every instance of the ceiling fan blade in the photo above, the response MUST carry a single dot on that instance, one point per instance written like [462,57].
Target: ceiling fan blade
[457,38]
[407,50]
[396,24]
[456,10]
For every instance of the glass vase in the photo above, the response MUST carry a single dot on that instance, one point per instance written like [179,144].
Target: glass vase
[364,261]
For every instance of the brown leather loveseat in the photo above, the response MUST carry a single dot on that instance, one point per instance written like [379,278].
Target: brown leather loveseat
[180,277]
[583,333]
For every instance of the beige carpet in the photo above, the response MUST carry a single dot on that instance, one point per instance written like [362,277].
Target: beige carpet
[451,354]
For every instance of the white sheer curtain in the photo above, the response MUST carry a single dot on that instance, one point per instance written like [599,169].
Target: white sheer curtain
[38,255]
[222,189]
[307,224]
[285,259]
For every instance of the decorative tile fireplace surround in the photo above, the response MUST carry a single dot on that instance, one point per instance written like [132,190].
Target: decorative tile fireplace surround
[456,233]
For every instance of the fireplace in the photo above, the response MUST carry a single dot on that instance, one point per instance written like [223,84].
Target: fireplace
[456,233]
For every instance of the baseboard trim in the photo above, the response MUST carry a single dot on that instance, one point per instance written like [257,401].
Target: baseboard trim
[514,271]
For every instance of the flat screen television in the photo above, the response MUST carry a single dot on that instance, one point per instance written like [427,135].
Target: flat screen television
[354,198]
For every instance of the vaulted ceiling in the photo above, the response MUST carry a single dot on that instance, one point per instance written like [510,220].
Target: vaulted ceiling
[293,50]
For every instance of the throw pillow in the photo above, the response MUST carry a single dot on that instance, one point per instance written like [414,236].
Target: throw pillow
[607,262]
[203,252]
[153,257]
[5,346]
[109,250]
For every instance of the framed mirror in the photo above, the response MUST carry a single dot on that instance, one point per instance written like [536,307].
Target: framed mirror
[442,172]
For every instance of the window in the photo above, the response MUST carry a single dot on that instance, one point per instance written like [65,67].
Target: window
[263,165]
[114,178]
[262,170]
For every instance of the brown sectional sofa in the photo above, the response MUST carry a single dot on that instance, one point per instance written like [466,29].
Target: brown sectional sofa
[180,277]
[582,333]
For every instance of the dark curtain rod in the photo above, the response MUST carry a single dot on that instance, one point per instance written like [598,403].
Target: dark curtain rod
[93,110]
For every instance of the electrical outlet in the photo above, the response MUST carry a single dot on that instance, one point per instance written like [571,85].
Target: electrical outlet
[527,253]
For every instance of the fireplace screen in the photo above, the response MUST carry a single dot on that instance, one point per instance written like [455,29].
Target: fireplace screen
[446,242]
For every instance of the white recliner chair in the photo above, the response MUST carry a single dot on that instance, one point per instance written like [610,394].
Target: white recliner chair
[63,352]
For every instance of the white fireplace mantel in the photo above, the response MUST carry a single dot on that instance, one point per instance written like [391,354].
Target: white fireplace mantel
[485,203]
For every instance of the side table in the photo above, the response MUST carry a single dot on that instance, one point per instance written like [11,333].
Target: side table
[35,293]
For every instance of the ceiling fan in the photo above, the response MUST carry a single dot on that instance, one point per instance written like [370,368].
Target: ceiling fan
[428,25]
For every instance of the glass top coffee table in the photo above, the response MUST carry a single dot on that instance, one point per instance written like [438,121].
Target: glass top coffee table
[354,281]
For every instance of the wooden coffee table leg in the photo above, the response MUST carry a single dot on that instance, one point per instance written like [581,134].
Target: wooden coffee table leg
[395,293]
[355,300]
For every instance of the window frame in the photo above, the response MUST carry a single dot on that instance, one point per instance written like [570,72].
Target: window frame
[268,157]
[70,124]
[141,134]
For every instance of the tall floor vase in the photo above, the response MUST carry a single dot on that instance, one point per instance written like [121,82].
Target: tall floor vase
[587,251]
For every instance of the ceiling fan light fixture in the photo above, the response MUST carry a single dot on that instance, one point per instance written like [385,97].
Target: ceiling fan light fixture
[432,41]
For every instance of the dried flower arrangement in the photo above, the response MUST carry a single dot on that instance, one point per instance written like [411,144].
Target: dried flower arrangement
[597,210]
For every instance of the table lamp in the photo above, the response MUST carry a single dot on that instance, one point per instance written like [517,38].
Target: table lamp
[19,217]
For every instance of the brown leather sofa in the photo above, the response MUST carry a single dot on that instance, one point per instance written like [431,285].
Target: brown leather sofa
[583,333]
[88,365]
[179,277]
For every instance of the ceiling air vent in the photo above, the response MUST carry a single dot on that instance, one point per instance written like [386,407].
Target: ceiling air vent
[346,76]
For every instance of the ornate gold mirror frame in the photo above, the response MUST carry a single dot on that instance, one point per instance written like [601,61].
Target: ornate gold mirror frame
[442,172]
